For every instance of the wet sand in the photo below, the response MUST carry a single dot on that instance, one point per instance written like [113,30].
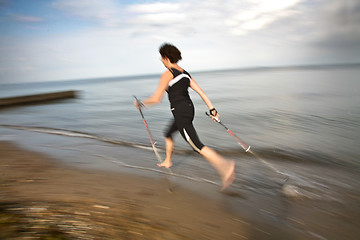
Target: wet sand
[41,198]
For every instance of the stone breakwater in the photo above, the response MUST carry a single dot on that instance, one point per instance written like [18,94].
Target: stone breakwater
[37,98]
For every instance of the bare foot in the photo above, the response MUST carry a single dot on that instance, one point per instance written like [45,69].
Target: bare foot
[229,177]
[165,164]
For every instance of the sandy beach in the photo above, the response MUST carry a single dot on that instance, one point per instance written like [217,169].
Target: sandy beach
[41,198]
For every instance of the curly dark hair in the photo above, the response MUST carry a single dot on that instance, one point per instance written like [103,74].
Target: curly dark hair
[169,51]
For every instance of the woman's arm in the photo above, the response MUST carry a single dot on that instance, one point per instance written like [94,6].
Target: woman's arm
[159,92]
[202,94]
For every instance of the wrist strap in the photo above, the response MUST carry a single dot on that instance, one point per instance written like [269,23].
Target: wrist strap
[211,112]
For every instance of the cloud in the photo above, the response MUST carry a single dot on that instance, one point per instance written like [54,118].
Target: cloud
[122,38]
[212,34]
[256,15]
[335,30]
[342,20]
[106,12]
[228,17]
[25,18]
[156,7]
[4,3]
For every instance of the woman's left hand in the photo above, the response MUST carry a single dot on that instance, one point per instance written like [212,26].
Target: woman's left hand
[216,118]
[214,115]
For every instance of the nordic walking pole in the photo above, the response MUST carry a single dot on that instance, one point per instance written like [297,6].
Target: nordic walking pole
[246,147]
[153,143]
[148,131]
[243,144]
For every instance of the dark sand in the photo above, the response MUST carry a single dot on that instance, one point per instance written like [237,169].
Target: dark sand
[43,199]
[39,197]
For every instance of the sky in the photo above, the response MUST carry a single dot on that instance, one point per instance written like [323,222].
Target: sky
[51,40]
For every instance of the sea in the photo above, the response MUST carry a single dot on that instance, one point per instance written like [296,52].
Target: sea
[302,123]
[307,113]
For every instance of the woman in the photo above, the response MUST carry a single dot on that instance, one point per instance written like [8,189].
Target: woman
[175,81]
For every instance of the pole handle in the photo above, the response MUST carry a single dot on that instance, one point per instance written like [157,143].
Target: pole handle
[140,103]
[216,119]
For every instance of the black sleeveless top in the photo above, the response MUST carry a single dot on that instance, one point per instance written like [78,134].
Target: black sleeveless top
[178,87]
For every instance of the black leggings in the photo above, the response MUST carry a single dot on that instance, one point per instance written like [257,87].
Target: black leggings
[183,116]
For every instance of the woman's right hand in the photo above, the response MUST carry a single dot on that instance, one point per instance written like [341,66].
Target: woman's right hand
[138,104]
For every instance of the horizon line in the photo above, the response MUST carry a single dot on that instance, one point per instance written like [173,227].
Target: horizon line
[262,68]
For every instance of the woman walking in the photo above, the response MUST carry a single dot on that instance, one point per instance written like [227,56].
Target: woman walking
[176,81]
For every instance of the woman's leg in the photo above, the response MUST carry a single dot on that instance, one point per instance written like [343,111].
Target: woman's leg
[169,145]
[225,168]
[184,116]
